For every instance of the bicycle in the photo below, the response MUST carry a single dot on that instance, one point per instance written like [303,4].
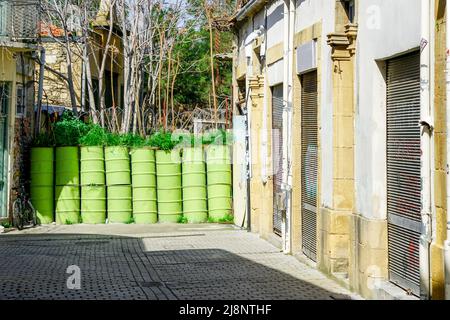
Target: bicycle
[24,213]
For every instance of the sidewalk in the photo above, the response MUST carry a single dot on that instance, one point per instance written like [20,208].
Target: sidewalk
[209,261]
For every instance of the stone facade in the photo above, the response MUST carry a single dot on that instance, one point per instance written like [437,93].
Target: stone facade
[440,168]
[352,226]
[56,91]
[17,135]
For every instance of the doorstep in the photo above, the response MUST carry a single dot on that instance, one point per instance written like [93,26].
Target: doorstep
[389,291]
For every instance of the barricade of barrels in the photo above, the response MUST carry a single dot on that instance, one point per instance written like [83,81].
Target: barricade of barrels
[117,184]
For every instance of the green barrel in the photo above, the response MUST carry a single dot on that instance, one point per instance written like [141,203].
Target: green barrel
[67,168]
[41,188]
[67,204]
[93,204]
[168,178]
[143,174]
[67,189]
[117,165]
[218,164]
[92,168]
[119,204]
[93,191]
[194,186]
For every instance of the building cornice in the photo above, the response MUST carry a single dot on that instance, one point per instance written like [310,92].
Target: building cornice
[343,44]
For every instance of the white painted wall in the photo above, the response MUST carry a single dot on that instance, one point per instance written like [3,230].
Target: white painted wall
[275,28]
[382,35]
[244,31]
[275,73]
[307,13]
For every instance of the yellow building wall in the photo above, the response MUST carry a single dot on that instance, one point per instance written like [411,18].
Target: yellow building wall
[18,127]
[437,247]
[56,91]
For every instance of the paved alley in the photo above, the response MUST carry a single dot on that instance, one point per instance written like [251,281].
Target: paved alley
[154,262]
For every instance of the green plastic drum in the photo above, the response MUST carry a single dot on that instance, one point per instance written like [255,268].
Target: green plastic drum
[143,173]
[194,186]
[92,168]
[41,171]
[145,209]
[117,164]
[168,178]
[119,204]
[93,204]
[218,163]
[42,199]
[143,170]
[67,204]
[41,188]
[67,169]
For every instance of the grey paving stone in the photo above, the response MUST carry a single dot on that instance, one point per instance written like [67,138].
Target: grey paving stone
[154,262]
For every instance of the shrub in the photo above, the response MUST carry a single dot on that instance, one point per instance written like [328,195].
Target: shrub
[163,140]
[44,139]
[96,136]
[112,139]
[69,130]
[131,140]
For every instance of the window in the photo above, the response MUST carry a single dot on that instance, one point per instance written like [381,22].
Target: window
[349,7]
[4,99]
[20,100]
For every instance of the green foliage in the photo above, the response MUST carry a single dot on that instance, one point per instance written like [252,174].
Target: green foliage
[163,140]
[131,140]
[112,139]
[96,136]
[227,219]
[130,221]
[44,139]
[219,137]
[69,130]
[192,50]
[194,140]
[5,224]
[182,219]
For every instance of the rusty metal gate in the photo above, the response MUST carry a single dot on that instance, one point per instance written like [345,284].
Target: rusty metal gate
[403,171]
[309,164]
[277,153]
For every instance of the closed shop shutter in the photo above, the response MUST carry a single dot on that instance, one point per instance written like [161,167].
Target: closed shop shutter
[309,163]
[277,152]
[403,171]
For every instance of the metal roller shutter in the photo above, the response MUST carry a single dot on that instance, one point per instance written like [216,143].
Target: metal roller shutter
[403,170]
[309,163]
[277,152]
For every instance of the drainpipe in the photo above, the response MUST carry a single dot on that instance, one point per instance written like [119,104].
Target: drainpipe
[264,133]
[289,14]
[447,70]
[249,165]
[426,131]
[249,72]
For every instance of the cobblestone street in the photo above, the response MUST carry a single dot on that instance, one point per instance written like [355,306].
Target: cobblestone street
[154,262]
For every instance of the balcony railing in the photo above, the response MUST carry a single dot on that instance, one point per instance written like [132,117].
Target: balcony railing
[19,20]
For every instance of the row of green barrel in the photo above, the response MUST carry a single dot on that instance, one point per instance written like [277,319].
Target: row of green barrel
[99,183]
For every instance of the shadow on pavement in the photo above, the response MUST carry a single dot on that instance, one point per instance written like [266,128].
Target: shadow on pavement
[118,267]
